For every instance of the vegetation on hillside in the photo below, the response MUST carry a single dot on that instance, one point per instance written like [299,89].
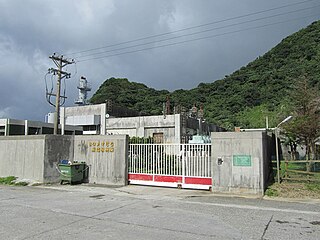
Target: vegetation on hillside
[136,96]
[245,97]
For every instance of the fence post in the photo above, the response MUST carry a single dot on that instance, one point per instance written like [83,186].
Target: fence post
[286,169]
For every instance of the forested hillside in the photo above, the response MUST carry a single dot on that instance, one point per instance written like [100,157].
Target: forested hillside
[243,98]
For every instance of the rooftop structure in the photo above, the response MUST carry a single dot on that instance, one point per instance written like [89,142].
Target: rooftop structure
[84,88]
[10,127]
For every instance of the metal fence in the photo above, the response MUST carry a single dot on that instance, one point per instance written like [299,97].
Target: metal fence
[174,162]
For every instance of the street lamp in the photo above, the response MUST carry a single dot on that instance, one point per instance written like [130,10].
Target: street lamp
[277,148]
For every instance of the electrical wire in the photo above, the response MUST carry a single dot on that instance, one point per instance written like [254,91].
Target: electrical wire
[64,93]
[196,39]
[193,27]
[49,93]
[46,84]
[195,33]
[76,70]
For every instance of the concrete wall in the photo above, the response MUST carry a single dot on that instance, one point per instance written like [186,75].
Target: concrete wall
[97,109]
[106,156]
[22,156]
[36,157]
[145,126]
[83,110]
[56,148]
[244,160]
[240,162]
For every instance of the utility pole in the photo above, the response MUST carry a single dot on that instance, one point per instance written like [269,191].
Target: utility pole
[60,63]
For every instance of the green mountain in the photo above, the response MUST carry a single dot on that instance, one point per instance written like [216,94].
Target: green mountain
[243,98]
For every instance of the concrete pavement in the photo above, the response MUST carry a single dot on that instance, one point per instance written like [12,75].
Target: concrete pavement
[136,212]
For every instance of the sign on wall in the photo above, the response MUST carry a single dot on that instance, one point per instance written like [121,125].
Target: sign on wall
[242,160]
[101,146]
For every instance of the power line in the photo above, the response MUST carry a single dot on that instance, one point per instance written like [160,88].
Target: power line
[196,39]
[194,27]
[195,33]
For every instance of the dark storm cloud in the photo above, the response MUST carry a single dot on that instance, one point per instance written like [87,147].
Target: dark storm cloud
[32,30]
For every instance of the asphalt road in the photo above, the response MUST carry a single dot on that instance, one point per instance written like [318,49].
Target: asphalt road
[135,212]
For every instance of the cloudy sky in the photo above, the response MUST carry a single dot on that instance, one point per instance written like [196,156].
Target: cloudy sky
[165,44]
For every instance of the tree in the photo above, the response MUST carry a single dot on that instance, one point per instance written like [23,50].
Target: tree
[305,126]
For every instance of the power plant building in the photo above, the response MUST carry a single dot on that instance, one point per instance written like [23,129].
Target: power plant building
[106,119]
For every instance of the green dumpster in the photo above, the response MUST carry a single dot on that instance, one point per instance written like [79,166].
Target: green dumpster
[85,173]
[72,173]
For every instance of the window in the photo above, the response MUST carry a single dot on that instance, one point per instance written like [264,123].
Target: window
[89,128]
[158,137]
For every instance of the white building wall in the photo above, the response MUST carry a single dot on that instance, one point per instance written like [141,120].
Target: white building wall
[83,120]
[146,126]
[168,133]
[85,115]
[131,132]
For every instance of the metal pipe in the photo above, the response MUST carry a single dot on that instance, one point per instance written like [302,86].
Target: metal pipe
[277,155]
[277,147]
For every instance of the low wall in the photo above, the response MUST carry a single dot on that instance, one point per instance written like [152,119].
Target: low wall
[22,156]
[106,156]
[36,157]
[57,147]
[240,162]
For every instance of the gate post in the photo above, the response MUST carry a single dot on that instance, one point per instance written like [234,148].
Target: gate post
[183,159]
[239,162]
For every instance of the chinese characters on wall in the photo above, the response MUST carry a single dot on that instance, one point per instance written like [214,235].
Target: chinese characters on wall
[101,146]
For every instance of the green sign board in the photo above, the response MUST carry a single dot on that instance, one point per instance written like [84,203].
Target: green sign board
[242,160]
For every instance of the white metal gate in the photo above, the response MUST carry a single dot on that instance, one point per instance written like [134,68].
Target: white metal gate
[172,165]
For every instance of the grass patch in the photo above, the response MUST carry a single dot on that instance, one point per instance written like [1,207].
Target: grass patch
[270,192]
[21,184]
[295,166]
[8,180]
[11,180]
[294,190]
[313,187]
